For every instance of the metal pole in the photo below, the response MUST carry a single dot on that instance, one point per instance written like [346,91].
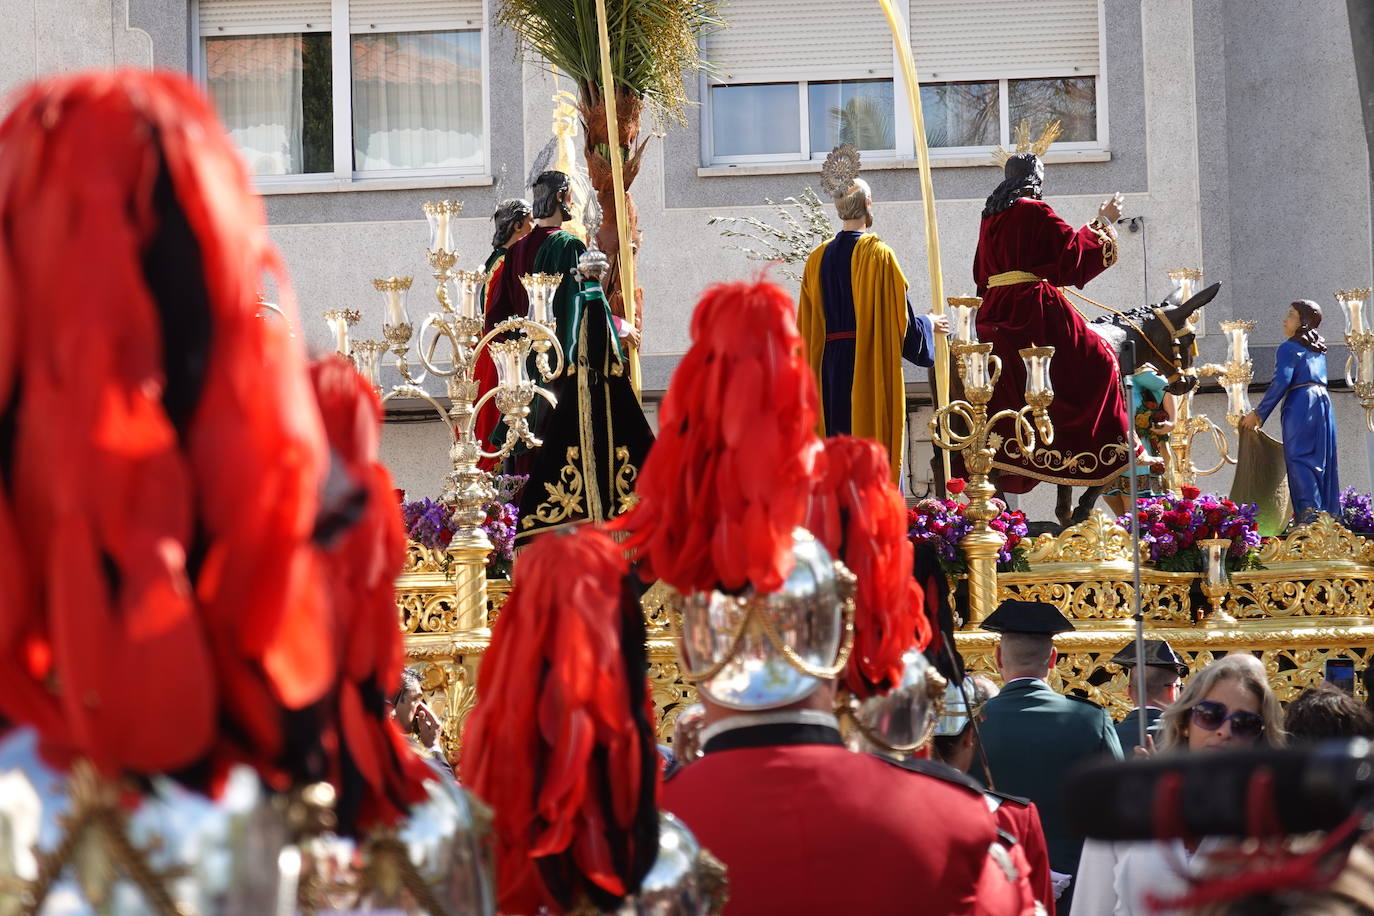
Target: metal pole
[1128,372]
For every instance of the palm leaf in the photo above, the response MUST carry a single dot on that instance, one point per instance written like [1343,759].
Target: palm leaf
[653,43]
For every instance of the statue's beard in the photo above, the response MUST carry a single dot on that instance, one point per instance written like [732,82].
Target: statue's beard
[868,219]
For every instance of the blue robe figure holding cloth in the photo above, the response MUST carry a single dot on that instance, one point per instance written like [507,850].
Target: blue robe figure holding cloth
[1309,425]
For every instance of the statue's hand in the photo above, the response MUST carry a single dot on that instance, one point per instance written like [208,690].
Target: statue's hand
[1111,208]
[939,323]
[1250,421]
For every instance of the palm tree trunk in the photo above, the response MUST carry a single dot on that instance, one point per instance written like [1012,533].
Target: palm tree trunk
[593,112]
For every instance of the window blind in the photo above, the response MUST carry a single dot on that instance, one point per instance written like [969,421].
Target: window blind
[958,39]
[244,17]
[403,15]
[770,40]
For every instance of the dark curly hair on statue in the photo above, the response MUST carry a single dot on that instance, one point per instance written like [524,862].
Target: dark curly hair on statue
[1024,176]
[1310,316]
[508,217]
[547,188]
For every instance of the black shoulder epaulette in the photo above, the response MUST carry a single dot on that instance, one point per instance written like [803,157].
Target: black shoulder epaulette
[1014,799]
[1074,696]
[936,770]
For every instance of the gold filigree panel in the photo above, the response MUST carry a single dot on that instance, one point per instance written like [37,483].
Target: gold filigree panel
[1344,596]
[1104,599]
[1324,540]
[1098,540]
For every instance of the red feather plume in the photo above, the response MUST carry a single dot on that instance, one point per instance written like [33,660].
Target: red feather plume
[559,743]
[728,477]
[166,605]
[860,517]
[376,773]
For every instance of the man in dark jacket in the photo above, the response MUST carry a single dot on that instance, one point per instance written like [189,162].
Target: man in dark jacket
[1163,671]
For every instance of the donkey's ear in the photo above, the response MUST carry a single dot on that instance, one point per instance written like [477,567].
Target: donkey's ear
[1201,299]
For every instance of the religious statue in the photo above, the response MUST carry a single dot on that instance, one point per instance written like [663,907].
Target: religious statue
[857,322]
[547,249]
[514,220]
[1025,253]
[596,439]
[1309,424]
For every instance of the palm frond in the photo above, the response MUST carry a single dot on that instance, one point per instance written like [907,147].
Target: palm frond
[653,43]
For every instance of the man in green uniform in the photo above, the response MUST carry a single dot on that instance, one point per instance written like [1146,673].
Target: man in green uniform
[1163,668]
[1033,736]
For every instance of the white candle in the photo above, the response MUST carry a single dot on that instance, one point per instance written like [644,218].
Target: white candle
[340,334]
[976,370]
[1366,370]
[1356,316]
[539,303]
[467,306]
[395,306]
[445,240]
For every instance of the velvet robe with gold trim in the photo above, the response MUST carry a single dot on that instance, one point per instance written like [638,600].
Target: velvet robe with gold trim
[877,396]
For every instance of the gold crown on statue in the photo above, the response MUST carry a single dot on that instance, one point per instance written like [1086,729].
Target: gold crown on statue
[1024,144]
[840,169]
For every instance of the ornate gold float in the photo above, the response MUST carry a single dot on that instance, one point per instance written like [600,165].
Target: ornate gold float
[1310,602]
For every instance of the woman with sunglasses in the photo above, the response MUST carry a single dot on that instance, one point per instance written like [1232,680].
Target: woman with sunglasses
[1228,705]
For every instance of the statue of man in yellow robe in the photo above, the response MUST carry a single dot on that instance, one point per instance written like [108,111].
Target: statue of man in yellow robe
[858,325]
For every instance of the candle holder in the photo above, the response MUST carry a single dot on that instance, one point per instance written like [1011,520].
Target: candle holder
[1187,281]
[457,325]
[963,319]
[339,321]
[980,371]
[540,289]
[367,355]
[1215,580]
[396,329]
[1359,338]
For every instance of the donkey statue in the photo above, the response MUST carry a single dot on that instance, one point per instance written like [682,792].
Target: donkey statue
[1163,337]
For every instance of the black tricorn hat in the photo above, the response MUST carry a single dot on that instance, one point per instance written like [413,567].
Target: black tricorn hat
[1158,654]
[1035,618]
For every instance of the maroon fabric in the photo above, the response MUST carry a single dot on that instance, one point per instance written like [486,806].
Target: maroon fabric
[819,829]
[508,297]
[1089,409]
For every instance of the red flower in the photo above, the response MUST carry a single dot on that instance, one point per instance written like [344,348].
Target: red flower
[1190,492]
[956,485]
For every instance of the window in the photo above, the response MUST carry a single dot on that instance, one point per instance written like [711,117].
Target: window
[348,88]
[804,120]
[790,89]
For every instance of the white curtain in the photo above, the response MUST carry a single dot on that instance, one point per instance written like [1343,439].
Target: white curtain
[417,100]
[255,81]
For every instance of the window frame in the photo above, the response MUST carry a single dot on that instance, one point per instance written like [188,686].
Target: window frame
[903,129]
[344,176]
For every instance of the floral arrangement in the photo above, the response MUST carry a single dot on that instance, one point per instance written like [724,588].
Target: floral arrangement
[429,523]
[942,522]
[1171,526]
[1357,511]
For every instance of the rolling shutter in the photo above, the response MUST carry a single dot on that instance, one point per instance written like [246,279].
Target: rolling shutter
[404,15]
[770,40]
[957,39]
[248,17]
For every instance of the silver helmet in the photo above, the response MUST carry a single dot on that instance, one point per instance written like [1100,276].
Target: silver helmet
[685,879]
[753,651]
[902,720]
[962,702]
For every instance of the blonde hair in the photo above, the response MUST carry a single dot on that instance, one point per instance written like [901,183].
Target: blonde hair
[854,203]
[1242,668]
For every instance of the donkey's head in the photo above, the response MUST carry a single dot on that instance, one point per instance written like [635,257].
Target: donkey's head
[1173,331]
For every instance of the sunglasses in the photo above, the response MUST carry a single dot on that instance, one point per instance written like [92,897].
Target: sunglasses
[1211,716]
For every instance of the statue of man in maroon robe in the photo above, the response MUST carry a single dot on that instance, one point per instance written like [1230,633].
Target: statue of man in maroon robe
[1025,253]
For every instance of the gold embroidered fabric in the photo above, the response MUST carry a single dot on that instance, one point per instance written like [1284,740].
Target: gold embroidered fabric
[1105,236]
[1012,278]
[1050,465]
[565,495]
